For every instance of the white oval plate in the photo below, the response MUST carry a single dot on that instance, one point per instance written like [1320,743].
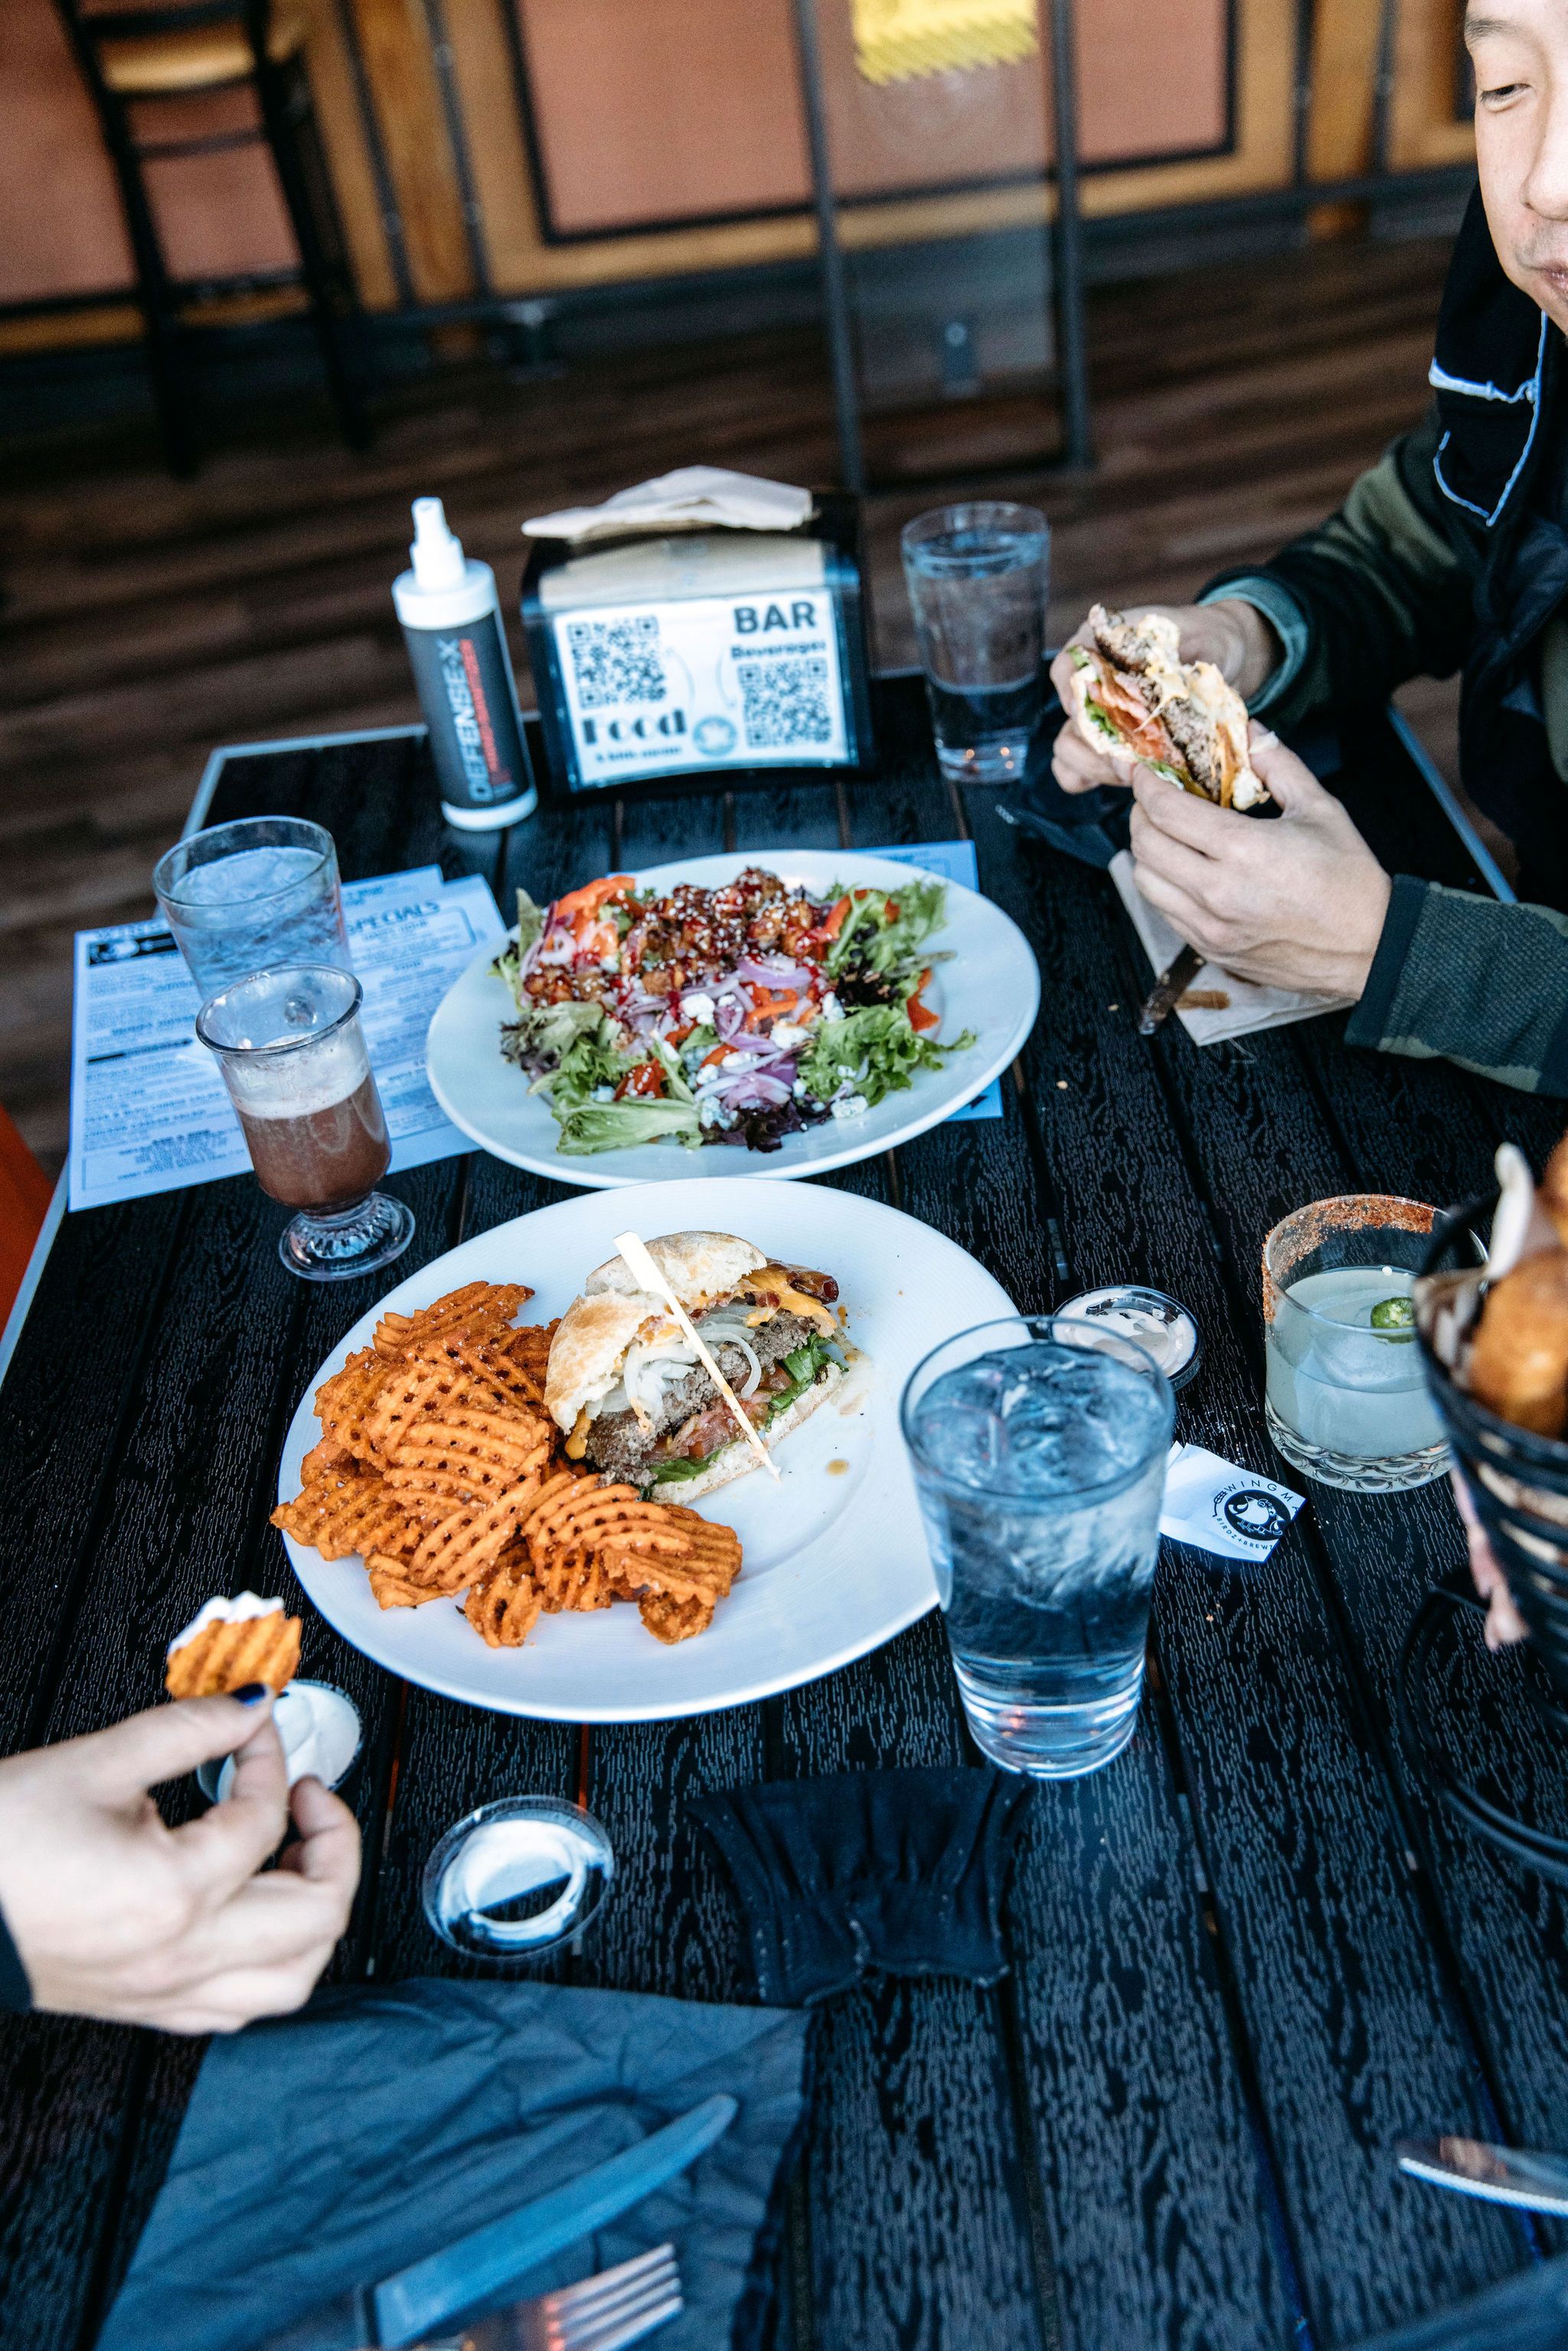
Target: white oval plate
[991,986]
[835,1558]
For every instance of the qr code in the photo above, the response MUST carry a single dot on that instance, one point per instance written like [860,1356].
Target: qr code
[616,661]
[786,702]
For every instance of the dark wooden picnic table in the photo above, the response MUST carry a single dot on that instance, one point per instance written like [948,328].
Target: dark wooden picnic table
[1247,1957]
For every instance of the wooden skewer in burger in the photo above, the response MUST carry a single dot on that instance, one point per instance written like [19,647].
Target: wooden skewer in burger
[1136,700]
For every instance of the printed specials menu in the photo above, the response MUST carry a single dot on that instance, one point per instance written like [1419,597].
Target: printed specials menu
[149,1112]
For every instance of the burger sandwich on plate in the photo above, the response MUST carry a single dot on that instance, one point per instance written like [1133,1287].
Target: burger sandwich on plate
[629,1390]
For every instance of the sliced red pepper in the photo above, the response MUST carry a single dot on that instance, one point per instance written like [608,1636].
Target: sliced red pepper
[921,1015]
[771,1004]
[591,897]
[892,910]
[835,922]
[678,1036]
[716,1055]
[646,1080]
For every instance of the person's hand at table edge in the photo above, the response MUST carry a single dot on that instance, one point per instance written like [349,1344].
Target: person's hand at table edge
[1298,901]
[114,1915]
[1233,635]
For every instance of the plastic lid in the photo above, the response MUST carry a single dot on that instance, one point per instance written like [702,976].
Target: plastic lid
[437,557]
[518,1877]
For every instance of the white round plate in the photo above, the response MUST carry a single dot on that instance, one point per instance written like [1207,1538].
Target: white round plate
[835,1558]
[991,985]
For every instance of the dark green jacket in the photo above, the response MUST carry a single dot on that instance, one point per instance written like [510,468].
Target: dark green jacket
[1452,554]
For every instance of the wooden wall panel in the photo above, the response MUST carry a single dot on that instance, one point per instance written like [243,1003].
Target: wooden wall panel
[1424,125]
[482,68]
[394,42]
[1340,127]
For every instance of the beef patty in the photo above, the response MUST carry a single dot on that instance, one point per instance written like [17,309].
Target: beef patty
[618,1444]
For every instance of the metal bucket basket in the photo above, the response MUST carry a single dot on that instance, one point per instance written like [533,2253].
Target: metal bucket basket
[1519,1483]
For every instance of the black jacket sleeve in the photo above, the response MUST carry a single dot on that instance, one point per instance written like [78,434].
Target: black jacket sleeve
[1481,984]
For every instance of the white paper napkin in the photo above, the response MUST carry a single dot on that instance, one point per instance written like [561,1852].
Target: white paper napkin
[1216,1507]
[1251,1007]
[694,497]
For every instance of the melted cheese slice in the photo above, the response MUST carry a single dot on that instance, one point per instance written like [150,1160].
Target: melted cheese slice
[790,1300]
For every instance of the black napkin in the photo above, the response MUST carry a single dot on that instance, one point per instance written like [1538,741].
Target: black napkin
[330,2149]
[1528,2312]
[897,1871]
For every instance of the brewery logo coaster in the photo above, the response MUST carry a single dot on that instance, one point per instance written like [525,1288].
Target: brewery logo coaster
[1216,1507]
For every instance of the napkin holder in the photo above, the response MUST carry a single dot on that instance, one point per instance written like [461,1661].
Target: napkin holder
[709,652]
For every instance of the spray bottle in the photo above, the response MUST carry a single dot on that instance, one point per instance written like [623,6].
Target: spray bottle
[452,626]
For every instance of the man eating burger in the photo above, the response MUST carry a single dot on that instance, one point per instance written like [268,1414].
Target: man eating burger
[1450,553]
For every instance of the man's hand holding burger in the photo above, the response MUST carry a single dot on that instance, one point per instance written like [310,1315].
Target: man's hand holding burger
[1233,637]
[1296,901]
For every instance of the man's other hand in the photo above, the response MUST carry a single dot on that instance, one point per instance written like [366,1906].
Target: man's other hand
[1233,637]
[113,1915]
[1296,901]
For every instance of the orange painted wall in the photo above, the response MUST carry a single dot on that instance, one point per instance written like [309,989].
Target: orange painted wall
[670,109]
[647,110]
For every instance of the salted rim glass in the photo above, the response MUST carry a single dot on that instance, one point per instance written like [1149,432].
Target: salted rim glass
[1009,1331]
[219,840]
[1357,1229]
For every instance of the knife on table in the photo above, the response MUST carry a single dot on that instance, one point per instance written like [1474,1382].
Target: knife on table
[404,2307]
[1172,984]
[1499,2174]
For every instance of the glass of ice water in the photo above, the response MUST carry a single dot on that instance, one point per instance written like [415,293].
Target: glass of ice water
[246,896]
[1346,1399]
[978,576]
[1040,1454]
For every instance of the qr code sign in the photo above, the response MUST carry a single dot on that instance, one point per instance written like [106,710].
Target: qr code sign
[786,701]
[617,660]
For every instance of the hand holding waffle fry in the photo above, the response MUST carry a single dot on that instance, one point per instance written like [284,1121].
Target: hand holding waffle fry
[115,1915]
[440,1466]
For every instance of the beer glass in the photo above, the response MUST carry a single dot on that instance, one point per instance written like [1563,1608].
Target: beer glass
[292,1052]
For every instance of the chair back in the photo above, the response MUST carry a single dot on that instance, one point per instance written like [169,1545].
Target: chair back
[24,1195]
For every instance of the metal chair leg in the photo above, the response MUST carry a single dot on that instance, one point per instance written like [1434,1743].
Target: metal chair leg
[154,287]
[302,175]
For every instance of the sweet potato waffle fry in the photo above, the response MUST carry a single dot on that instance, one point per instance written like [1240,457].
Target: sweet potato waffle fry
[440,1466]
[229,1656]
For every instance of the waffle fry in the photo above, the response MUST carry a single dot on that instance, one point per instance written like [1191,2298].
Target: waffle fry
[505,1608]
[440,1467]
[674,1620]
[391,1584]
[225,1657]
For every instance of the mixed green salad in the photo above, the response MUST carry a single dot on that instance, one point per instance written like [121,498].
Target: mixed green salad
[739,1015]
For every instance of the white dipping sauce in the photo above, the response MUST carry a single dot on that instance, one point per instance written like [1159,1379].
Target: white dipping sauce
[320,1730]
[1160,1325]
